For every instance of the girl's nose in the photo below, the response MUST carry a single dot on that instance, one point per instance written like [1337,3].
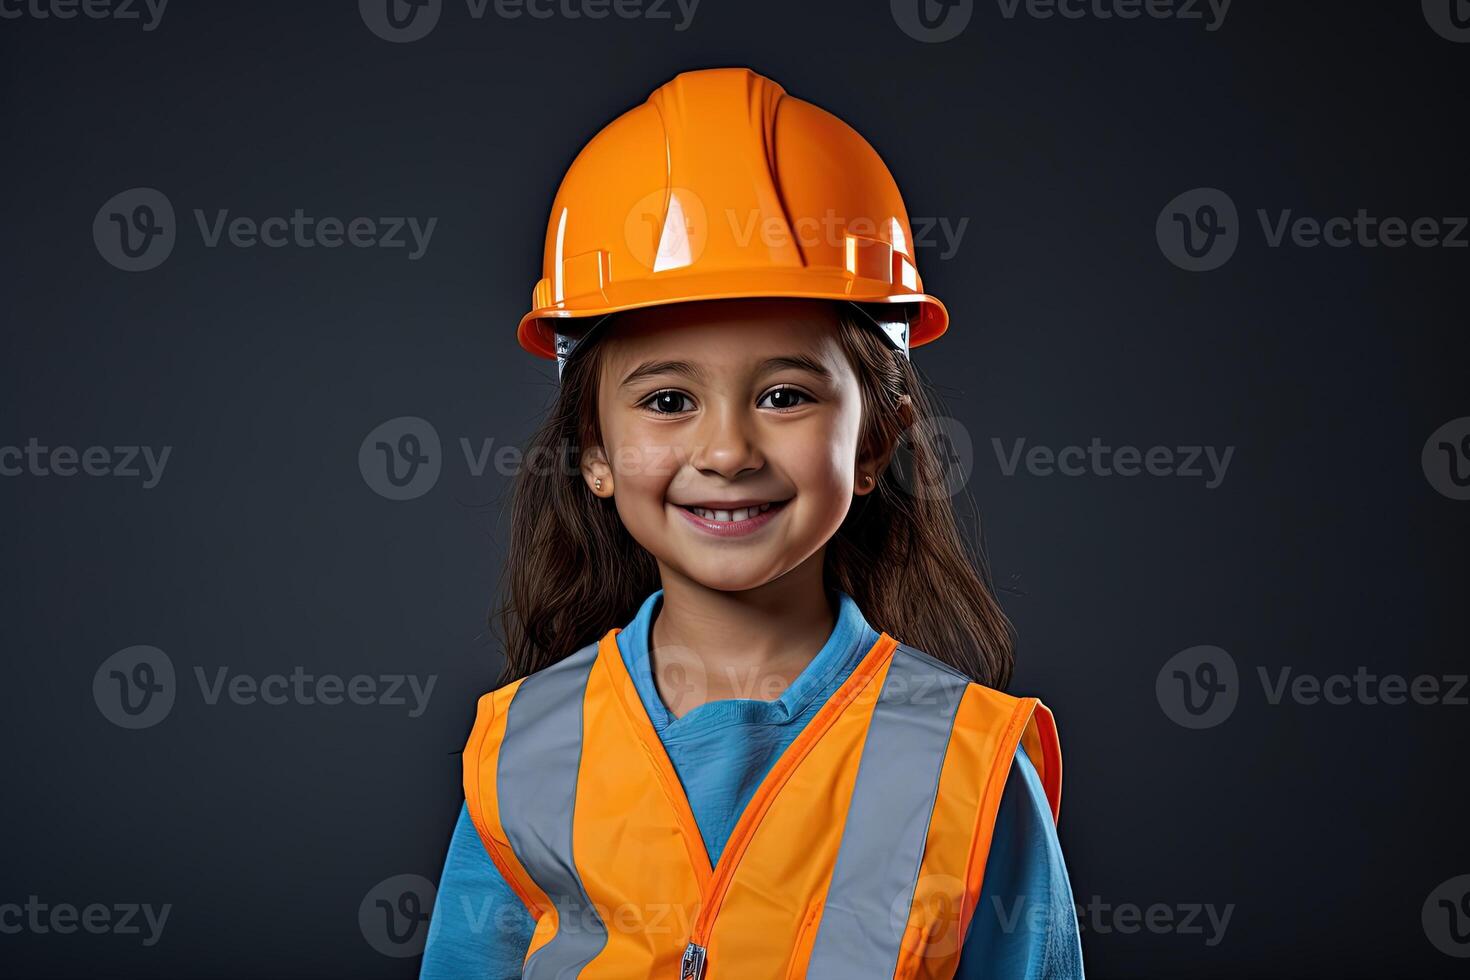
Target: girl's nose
[726,443]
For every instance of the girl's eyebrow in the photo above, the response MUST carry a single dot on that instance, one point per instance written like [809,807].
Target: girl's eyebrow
[651,368]
[800,362]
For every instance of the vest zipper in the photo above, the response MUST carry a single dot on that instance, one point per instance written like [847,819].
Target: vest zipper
[724,870]
[692,967]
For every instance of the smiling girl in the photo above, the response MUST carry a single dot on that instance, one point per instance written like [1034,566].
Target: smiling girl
[751,721]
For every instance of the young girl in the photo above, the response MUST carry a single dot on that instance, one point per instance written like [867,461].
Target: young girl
[750,723]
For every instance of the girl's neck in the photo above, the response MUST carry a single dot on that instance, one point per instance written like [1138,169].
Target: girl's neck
[749,644]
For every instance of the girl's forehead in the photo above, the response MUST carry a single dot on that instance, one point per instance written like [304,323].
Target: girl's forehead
[724,327]
[734,337]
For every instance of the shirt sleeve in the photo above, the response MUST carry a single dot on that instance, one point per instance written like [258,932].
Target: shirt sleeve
[479,929]
[1025,926]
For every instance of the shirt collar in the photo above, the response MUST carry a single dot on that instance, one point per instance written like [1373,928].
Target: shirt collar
[851,637]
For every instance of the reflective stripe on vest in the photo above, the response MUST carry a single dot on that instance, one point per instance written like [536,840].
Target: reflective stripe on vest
[888,822]
[537,786]
[861,853]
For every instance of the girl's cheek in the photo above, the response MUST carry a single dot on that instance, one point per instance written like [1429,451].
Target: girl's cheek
[821,466]
[636,460]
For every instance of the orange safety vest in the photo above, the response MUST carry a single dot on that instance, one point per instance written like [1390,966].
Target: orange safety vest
[861,854]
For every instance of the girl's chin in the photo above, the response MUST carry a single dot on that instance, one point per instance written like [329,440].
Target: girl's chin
[722,575]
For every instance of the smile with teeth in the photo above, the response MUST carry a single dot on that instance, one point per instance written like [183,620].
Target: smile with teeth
[731,516]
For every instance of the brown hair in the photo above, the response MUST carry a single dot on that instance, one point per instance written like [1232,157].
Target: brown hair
[574,571]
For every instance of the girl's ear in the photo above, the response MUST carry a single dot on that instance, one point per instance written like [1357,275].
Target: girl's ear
[597,472]
[875,460]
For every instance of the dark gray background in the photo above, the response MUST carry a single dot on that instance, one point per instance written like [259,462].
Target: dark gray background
[263,548]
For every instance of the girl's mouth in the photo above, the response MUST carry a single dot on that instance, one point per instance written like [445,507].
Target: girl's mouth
[731,523]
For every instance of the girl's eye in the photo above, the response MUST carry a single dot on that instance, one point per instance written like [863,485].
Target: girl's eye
[666,402]
[786,397]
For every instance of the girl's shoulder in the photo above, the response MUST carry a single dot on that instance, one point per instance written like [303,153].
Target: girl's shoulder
[980,717]
[914,662]
[559,674]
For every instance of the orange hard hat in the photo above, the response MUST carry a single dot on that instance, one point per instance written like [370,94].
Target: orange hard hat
[722,186]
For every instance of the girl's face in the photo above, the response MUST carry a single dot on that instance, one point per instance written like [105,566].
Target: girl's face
[730,436]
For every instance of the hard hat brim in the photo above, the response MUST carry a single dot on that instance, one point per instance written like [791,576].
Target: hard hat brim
[536,331]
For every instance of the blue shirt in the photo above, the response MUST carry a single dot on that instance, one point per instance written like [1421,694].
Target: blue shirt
[1024,927]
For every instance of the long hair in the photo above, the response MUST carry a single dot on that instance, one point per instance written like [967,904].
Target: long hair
[574,571]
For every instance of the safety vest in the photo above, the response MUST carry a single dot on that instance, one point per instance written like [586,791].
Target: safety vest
[861,854]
